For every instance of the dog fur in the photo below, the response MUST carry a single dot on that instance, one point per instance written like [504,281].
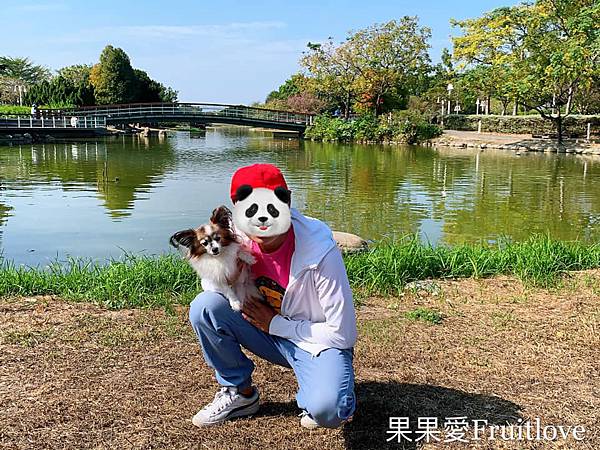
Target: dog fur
[218,256]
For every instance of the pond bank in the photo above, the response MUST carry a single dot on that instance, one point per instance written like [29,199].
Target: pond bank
[49,135]
[45,135]
[515,142]
[77,375]
[383,270]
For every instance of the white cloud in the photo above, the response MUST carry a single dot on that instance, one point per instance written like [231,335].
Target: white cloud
[229,31]
[176,31]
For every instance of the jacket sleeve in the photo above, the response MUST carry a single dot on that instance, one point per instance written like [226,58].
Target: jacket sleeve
[335,296]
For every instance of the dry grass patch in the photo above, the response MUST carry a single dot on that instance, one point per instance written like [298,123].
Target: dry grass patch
[75,375]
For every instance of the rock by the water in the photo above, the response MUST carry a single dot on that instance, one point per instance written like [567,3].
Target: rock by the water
[348,242]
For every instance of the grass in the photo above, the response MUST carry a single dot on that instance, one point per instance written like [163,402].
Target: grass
[76,375]
[539,261]
[424,315]
[383,270]
[128,282]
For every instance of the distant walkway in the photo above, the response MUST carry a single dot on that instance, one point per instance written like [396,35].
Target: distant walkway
[517,142]
[487,137]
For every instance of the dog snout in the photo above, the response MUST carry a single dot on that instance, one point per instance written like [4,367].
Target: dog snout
[215,251]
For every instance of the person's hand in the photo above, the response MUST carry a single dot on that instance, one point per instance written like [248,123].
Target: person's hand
[258,313]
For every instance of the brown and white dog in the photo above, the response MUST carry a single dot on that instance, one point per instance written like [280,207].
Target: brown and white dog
[219,258]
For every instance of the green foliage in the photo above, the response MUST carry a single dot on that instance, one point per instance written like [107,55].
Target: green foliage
[384,269]
[60,92]
[128,282]
[425,315]
[539,54]
[16,75]
[113,78]
[13,109]
[408,126]
[540,260]
[23,69]
[292,86]
[401,126]
[574,125]
[329,128]
[374,69]
[149,90]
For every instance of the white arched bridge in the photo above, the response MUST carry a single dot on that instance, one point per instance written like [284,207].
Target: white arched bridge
[97,117]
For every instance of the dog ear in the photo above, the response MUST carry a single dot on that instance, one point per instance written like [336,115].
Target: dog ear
[283,194]
[185,238]
[221,216]
[243,192]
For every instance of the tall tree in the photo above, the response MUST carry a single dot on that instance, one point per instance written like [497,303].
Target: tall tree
[335,72]
[388,57]
[113,78]
[150,90]
[16,75]
[77,73]
[23,69]
[550,49]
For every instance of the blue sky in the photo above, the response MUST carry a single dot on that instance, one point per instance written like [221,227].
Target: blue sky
[213,51]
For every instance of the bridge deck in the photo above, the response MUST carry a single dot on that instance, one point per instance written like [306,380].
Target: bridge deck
[195,113]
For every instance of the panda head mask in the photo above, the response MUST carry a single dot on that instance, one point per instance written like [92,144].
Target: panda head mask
[261,201]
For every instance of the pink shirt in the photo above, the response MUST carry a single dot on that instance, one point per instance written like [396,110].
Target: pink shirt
[272,270]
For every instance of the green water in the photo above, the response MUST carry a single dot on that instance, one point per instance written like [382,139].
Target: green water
[129,194]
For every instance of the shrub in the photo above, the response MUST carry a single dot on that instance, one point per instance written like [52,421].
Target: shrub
[408,126]
[14,109]
[402,126]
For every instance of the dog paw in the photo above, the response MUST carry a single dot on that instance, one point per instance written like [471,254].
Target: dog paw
[236,305]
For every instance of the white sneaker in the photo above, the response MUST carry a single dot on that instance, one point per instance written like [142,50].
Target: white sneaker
[308,422]
[227,404]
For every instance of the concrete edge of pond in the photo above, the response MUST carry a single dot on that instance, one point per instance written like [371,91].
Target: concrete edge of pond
[518,143]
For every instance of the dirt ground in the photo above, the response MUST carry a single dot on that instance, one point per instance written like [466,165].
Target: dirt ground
[78,376]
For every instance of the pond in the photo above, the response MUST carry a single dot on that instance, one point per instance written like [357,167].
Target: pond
[101,199]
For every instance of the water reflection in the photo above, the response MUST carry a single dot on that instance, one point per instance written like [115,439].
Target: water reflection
[97,198]
[119,170]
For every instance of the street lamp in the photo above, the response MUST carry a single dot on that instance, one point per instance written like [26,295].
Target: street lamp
[450,87]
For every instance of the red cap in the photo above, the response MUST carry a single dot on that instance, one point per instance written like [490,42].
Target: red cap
[258,176]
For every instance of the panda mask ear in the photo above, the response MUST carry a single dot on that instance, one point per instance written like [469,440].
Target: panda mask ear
[243,192]
[263,212]
[283,194]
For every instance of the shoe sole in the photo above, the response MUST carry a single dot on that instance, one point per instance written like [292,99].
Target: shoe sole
[242,411]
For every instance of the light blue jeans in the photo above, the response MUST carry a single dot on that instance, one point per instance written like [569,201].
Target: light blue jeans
[325,382]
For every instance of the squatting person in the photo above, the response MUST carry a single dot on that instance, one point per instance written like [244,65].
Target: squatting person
[306,322]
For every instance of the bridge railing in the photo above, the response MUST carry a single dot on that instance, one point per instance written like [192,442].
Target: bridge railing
[136,111]
[51,121]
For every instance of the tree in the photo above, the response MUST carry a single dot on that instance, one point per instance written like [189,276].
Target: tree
[292,86]
[77,73]
[305,102]
[113,78]
[60,92]
[16,75]
[23,69]
[335,72]
[388,57]
[548,50]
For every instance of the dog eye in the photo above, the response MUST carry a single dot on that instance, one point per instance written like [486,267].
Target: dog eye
[217,238]
[204,243]
[272,210]
[252,210]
